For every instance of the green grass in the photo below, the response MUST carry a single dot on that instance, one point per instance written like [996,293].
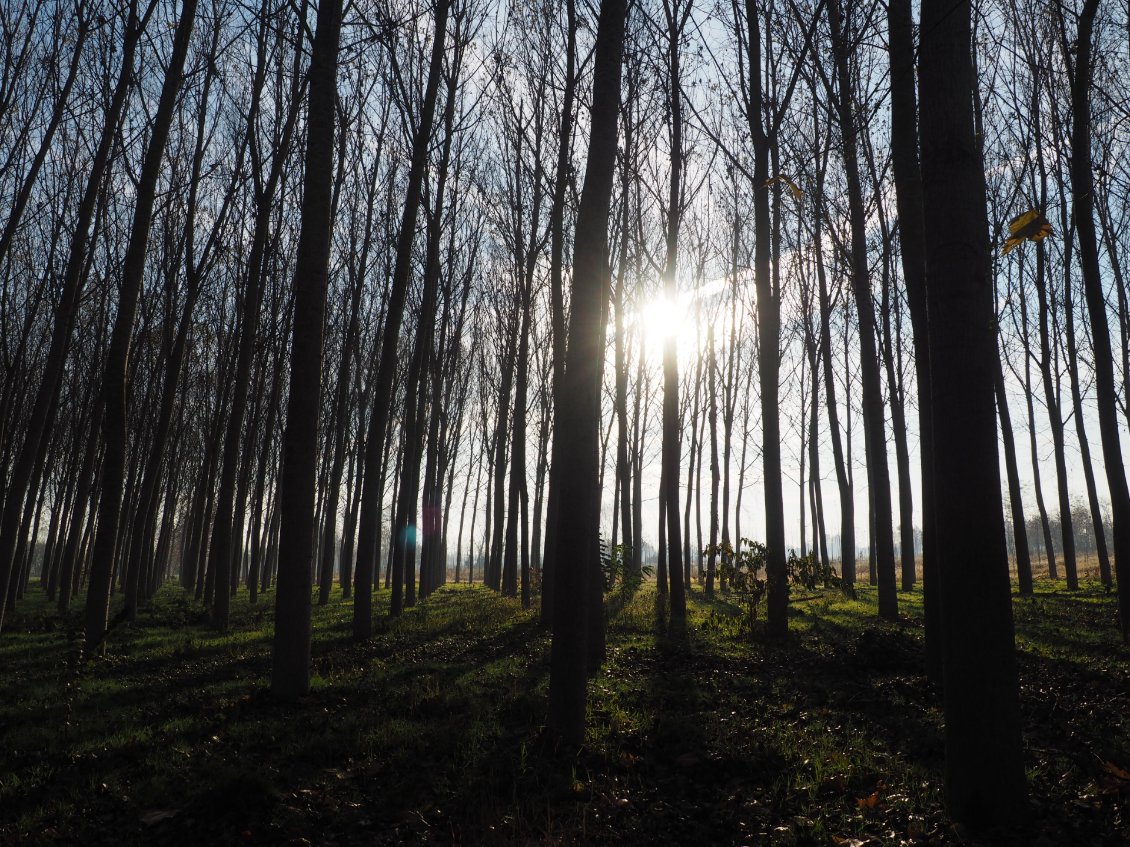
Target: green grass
[432,732]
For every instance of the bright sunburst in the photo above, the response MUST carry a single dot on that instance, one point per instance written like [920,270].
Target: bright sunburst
[661,318]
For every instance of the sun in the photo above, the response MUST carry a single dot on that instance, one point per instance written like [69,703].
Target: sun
[662,318]
[682,319]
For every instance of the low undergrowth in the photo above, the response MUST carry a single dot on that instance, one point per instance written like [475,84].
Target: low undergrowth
[432,731]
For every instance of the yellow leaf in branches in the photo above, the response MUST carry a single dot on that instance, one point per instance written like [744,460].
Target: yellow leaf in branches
[1027,226]
[793,187]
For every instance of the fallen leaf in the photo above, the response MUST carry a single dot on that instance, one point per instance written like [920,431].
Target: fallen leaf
[1115,771]
[868,802]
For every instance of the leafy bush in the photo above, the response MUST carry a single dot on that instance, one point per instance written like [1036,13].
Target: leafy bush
[743,572]
[615,567]
[809,572]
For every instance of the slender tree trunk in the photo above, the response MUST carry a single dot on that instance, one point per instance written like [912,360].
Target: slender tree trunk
[843,477]
[1016,502]
[1050,380]
[623,466]
[406,530]
[1081,432]
[540,473]
[349,530]
[115,388]
[672,447]
[715,476]
[637,464]
[908,193]
[902,459]
[369,535]
[1106,389]
[344,379]
[729,387]
[578,416]
[518,493]
[890,344]
[769,334]
[258,543]
[620,344]
[561,182]
[493,575]
[1122,292]
[875,441]
[694,459]
[820,535]
[290,658]
[1045,525]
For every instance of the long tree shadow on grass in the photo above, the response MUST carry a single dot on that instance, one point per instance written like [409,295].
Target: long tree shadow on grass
[432,732]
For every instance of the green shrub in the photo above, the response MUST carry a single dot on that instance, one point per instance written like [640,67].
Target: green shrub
[615,567]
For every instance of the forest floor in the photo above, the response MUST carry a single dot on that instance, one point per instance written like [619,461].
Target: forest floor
[433,731]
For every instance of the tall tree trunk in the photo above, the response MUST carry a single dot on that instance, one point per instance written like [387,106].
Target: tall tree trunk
[729,386]
[406,530]
[984,774]
[115,388]
[1122,293]
[637,464]
[369,534]
[1047,307]
[349,530]
[843,476]
[290,658]
[620,344]
[820,535]
[908,197]
[540,473]
[259,545]
[493,575]
[561,181]
[715,476]
[221,554]
[1045,525]
[1106,390]
[694,460]
[149,496]
[671,447]
[341,403]
[875,441]
[1081,432]
[518,493]
[1016,502]
[578,416]
[769,335]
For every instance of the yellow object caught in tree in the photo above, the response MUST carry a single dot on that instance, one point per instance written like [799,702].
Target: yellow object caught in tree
[797,193]
[1027,226]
